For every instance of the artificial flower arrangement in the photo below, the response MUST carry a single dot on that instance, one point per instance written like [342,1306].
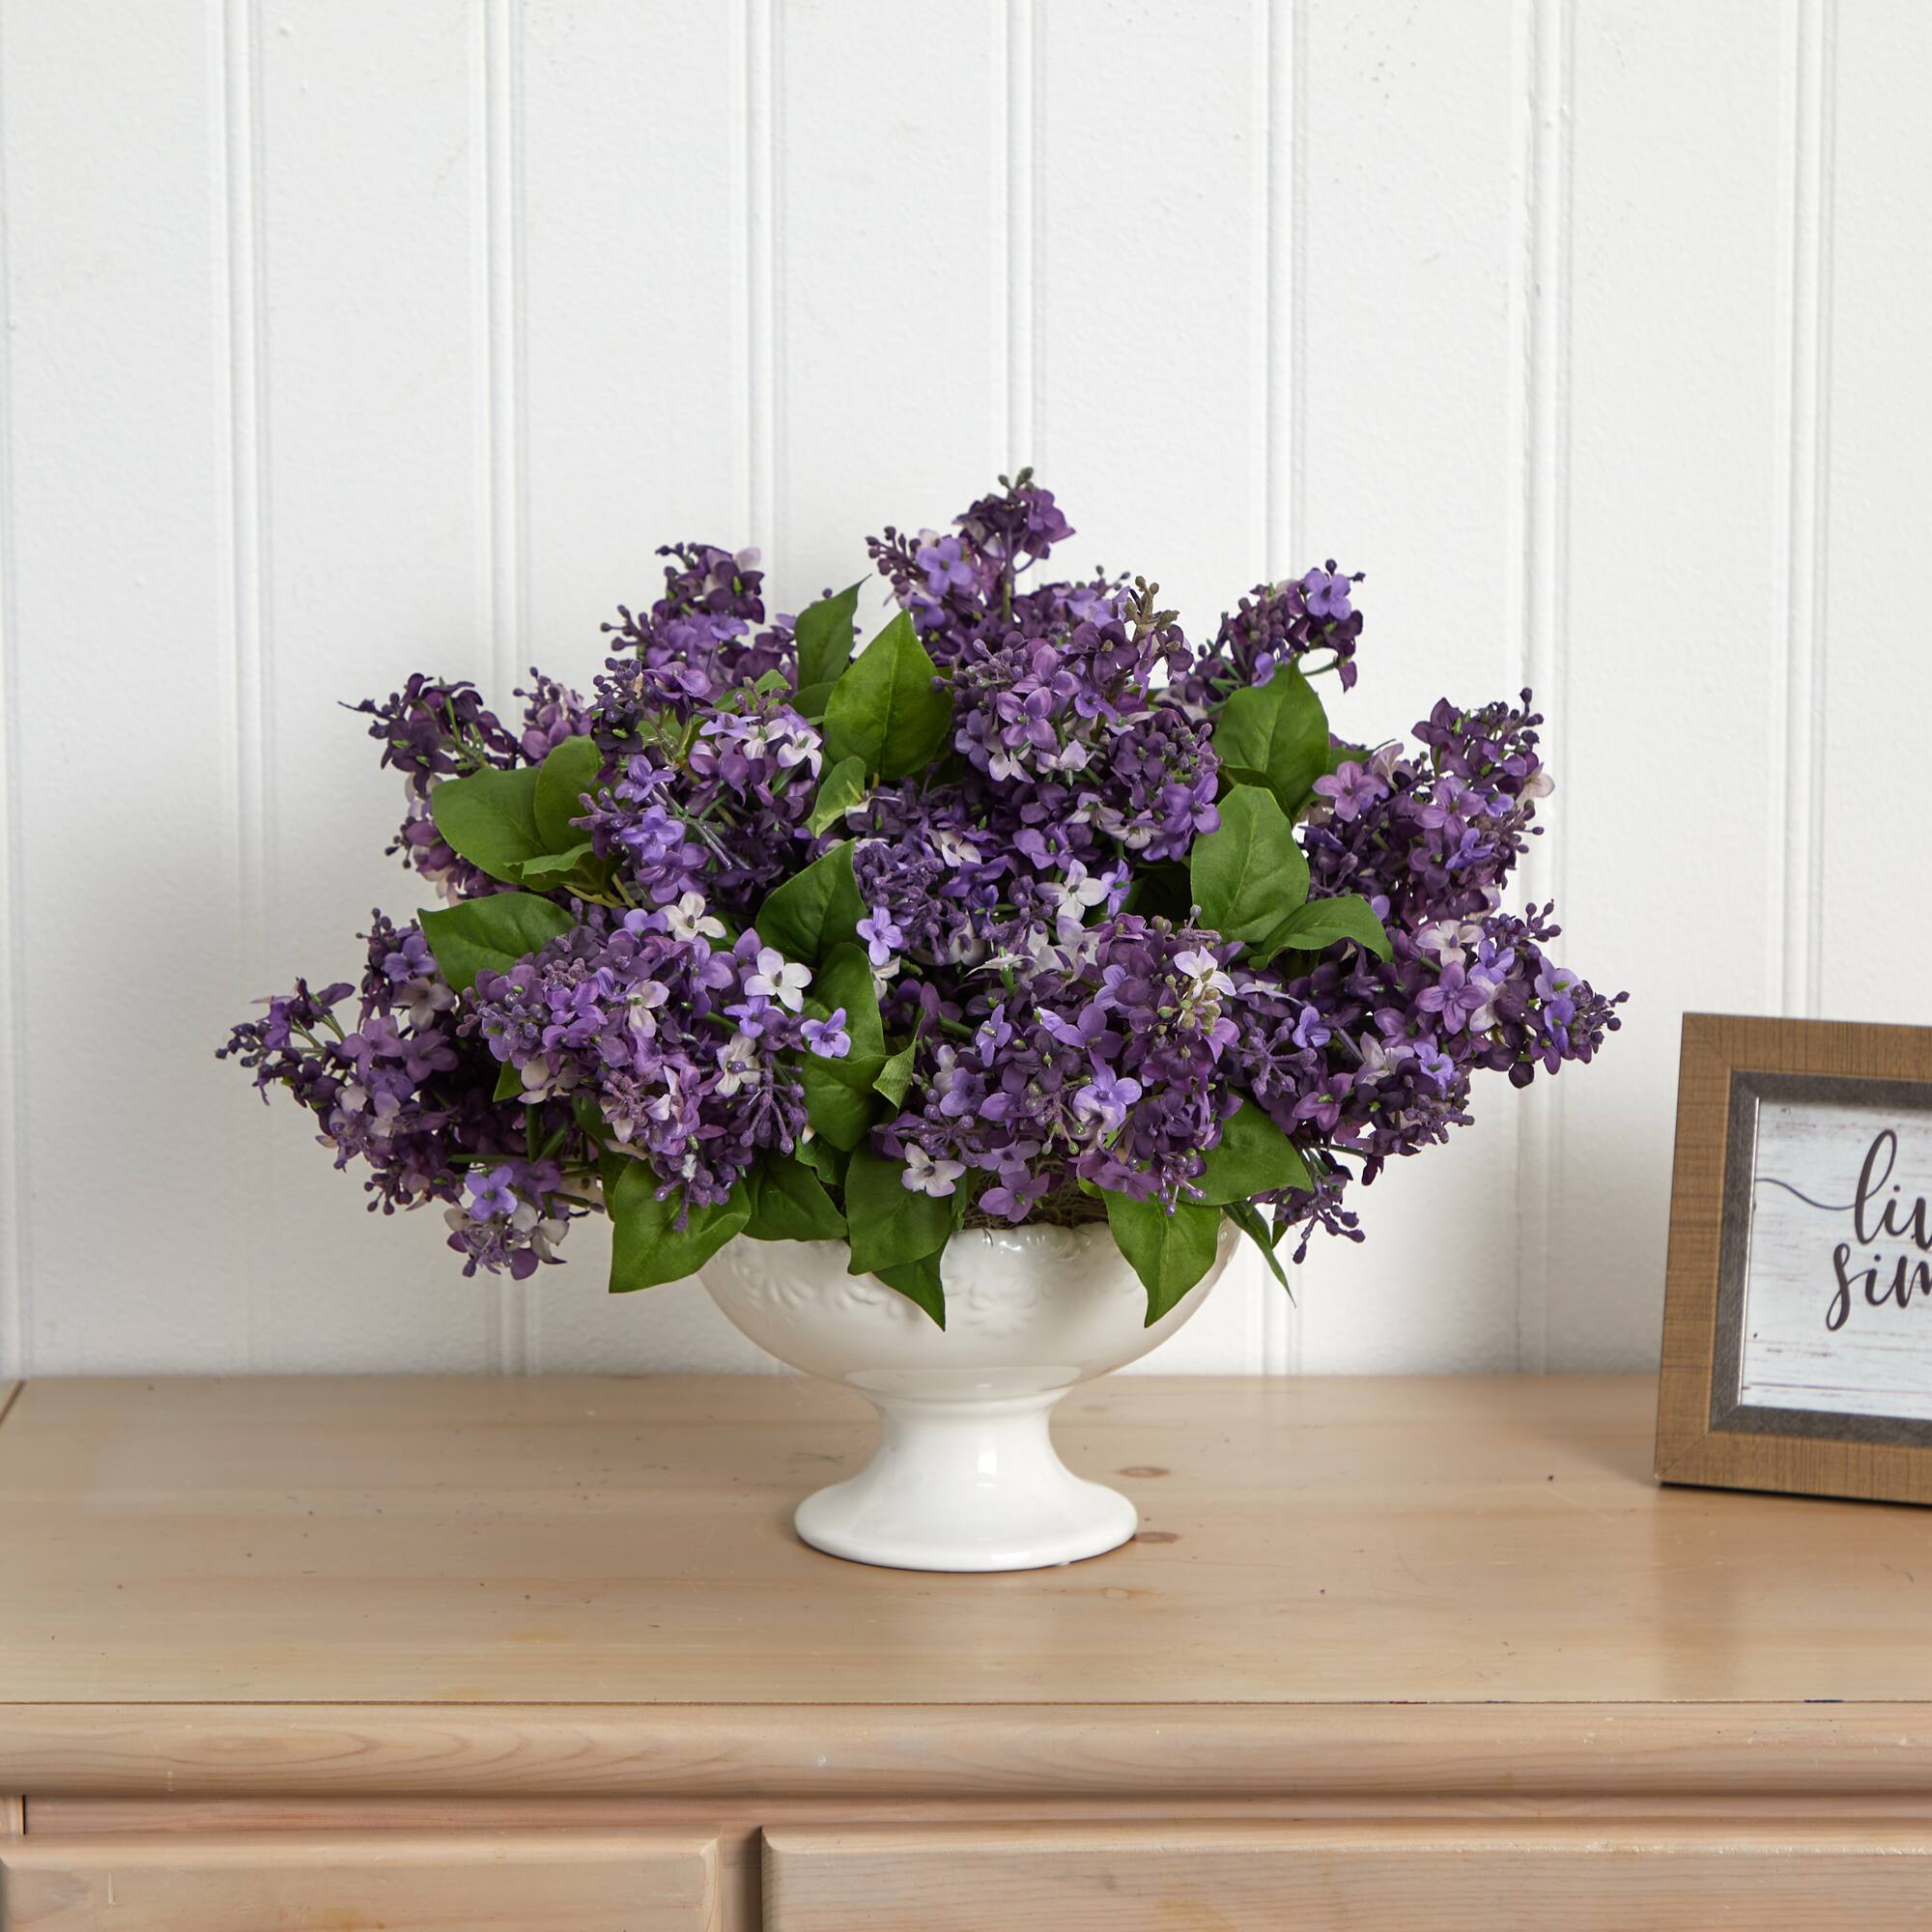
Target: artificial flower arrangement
[1028,911]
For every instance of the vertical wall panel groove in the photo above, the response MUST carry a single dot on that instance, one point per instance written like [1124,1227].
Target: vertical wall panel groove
[1809,457]
[376,369]
[15,1193]
[1870,917]
[252,709]
[1546,593]
[1039,103]
[1021,228]
[1293,486]
[503,445]
[634,334]
[1673,321]
[1279,337]
[1409,395]
[764,358]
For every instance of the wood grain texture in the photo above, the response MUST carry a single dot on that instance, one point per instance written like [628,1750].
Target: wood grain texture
[1366,1879]
[740,1824]
[1687,1449]
[557,1881]
[13,1817]
[617,1544]
[1558,1751]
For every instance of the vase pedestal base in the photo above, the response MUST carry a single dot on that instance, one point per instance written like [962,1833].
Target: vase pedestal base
[968,1484]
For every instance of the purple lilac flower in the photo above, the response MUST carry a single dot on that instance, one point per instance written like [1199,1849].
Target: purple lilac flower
[1350,789]
[883,938]
[552,713]
[1102,1066]
[432,729]
[1326,594]
[405,1095]
[1023,909]
[1279,624]
[697,642]
[1106,1096]
[638,821]
[492,1197]
[630,1020]
[828,1037]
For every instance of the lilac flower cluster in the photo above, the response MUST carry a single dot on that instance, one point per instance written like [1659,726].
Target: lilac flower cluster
[686,1054]
[1103,1065]
[1016,927]
[407,1094]
[435,728]
[699,641]
[965,589]
[1281,624]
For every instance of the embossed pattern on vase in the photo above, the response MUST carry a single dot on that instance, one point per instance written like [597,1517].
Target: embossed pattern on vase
[1060,1302]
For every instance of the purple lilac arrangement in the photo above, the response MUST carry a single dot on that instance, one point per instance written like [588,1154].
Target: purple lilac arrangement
[1030,911]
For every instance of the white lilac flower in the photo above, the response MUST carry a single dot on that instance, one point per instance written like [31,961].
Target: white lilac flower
[923,1174]
[737,1065]
[1447,939]
[780,979]
[1203,970]
[642,1001]
[688,917]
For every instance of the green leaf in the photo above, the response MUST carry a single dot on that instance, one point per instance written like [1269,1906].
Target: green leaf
[490,819]
[1249,875]
[1253,1156]
[646,1247]
[842,789]
[1278,729]
[1317,924]
[845,980]
[838,1110]
[1248,1217]
[1170,1252]
[1242,774]
[564,778]
[813,911]
[895,1075]
[551,865]
[825,632]
[489,935]
[885,711]
[919,1282]
[889,1222]
[789,1204]
[590,1120]
[810,702]
[838,1098]
[824,1160]
[509,1082]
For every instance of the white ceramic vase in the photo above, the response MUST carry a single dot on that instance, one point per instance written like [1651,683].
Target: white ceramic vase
[965,1476]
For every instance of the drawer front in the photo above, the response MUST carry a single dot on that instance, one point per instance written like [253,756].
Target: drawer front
[564,1881]
[1367,1878]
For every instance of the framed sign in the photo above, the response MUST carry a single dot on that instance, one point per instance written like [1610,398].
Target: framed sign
[1797,1300]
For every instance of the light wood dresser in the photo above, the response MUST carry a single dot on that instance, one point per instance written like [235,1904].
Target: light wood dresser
[473,1656]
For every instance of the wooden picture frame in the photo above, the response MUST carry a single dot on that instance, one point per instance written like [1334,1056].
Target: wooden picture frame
[1755,1095]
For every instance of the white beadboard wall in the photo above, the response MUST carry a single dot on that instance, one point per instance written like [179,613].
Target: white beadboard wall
[344,337]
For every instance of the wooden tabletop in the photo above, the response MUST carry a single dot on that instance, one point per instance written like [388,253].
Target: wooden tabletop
[455,1542]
